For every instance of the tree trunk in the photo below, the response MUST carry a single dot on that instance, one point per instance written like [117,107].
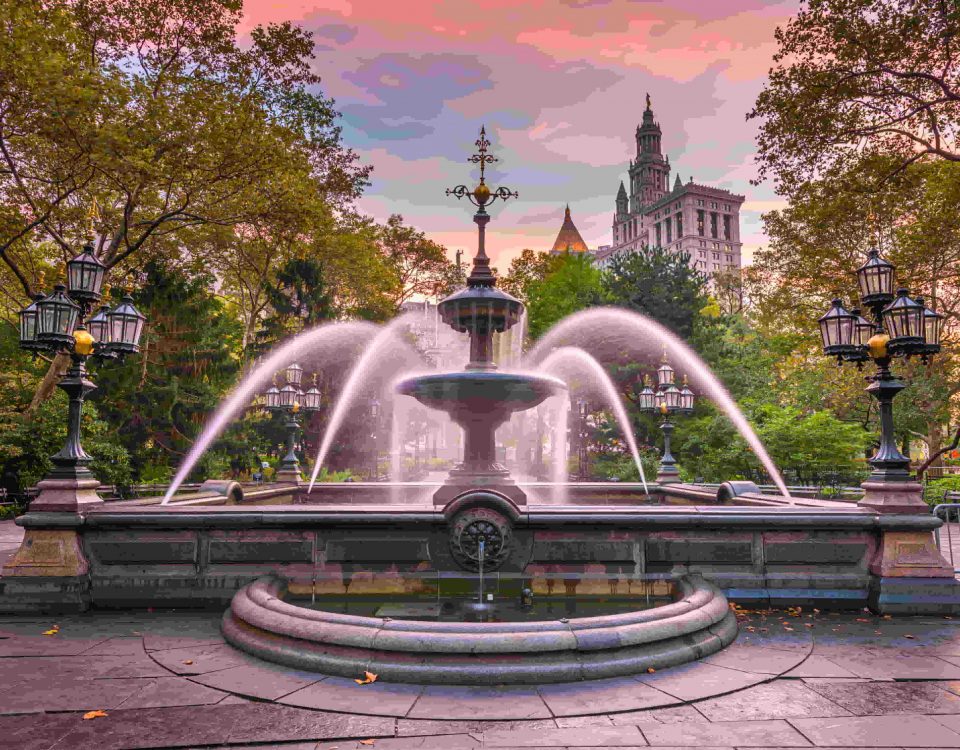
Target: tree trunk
[934,444]
[45,390]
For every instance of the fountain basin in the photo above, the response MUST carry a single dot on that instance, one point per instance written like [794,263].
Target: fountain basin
[696,624]
[481,394]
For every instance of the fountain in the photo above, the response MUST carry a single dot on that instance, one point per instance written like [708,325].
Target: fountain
[480,399]
[480,580]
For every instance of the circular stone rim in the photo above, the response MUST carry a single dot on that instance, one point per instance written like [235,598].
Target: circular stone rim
[697,624]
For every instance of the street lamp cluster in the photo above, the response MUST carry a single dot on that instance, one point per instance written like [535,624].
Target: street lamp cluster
[290,400]
[898,327]
[666,400]
[57,323]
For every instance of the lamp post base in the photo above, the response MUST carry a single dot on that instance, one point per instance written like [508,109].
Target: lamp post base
[893,497]
[289,475]
[66,496]
[668,473]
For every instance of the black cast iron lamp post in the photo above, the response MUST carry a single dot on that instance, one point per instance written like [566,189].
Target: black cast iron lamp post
[54,324]
[900,327]
[667,399]
[290,400]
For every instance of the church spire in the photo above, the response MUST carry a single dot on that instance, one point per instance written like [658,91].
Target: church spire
[677,184]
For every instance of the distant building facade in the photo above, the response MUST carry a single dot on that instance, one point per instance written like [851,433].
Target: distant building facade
[700,220]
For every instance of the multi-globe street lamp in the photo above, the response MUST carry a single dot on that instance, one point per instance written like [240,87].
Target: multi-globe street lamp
[290,400]
[58,323]
[898,327]
[666,400]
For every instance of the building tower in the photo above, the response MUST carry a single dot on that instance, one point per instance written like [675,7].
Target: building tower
[650,172]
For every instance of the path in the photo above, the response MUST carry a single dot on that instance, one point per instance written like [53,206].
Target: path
[167,680]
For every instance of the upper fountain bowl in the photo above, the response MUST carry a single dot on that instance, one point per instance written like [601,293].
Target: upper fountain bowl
[481,392]
[480,309]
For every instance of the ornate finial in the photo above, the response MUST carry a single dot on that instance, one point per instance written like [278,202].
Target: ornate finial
[648,101]
[481,195]
[93,216]
[482,157]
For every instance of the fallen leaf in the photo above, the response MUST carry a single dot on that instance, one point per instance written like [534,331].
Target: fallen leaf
[367,742]
[53,631]
[368,677]
[650,670]
[862,619]
[188,661]
[911,637]
[888,617]
[94,714]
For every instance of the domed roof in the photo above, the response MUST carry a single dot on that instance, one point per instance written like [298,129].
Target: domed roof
[569,239]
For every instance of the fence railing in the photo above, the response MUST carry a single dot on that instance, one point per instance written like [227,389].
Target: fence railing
[950,513]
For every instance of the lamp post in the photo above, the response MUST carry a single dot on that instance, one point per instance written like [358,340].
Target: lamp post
[290,400]
[583,411]
[58,324]
[375,410]
[667,399]
[897,327]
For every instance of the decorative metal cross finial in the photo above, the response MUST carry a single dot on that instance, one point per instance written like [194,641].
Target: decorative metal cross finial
[482,157]
[482,195]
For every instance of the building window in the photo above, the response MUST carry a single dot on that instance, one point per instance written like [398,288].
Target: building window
[669,230]
[726,226]
[699,202]
[700,219]
[634,228]
[659,243]
[679,225]
[713,224]
[726,206]
[729,259]
[702,253]
[716,256]
[713,204]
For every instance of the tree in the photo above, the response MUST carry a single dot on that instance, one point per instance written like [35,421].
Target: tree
[158,401]
[527,268]
[572,285]
[659,284]
[860,77]
[421,265]
[153,109]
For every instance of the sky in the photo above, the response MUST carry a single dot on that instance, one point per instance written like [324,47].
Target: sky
[560,87]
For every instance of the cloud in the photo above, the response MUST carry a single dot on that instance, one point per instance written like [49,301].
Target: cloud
[341,33]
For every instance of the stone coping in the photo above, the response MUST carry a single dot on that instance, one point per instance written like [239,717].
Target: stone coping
[698,623]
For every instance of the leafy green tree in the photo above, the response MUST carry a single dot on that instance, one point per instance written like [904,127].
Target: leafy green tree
[158,401]
[421,265]
[659,284]
[572,285]
[156,111]
[526,269]
[859,77]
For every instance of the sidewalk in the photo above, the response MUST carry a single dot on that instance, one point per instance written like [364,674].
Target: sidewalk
[167,680]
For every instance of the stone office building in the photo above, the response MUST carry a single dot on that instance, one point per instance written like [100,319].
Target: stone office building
[701,220]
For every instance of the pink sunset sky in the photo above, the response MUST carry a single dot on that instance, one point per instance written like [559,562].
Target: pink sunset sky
[560,86]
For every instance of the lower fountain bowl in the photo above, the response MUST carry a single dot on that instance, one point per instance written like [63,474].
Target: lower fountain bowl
[481,391]
[696,624]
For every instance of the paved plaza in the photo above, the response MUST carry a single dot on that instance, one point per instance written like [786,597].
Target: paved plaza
[166,679]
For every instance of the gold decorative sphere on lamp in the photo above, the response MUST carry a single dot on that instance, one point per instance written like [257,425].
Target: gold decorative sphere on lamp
[481,193]
[83,342]
[877,345]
